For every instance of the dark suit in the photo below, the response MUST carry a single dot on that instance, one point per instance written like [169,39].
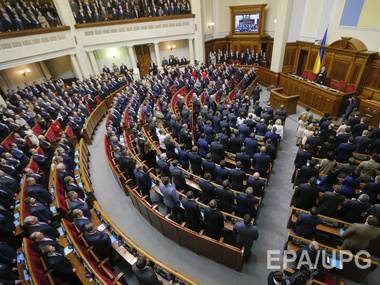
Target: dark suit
[235,144]
[306,225]
[225,199]
[344,152]
[170,149]
[305,196]
[358,129]
[362,143]
[217,151]
[261,163]
[76,204]
[237,176]
[196,163]
[352,211]
[245,160]
[246,205]
[62,267]
[143,181]
[164,167]
[38,246]
[39,193]
[101,243]
[178,178]
[80,223]
[146,276]
[48,150]
[74,187]
[208,191]
[305,173]
[214,222]
[328,203]
[192,213]
[245,235]
[44,228]
[10,185]
[42,212]
[257,185]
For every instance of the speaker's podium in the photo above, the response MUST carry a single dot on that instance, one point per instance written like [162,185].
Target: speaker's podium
[278,98]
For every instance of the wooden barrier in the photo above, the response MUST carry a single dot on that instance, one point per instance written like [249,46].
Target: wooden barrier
[278,98]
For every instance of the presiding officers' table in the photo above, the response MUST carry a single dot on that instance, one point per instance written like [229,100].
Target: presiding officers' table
[319,98]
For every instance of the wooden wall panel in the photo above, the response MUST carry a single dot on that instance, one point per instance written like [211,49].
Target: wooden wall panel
[354,73]
[373,78]
[310,63]
[339,69]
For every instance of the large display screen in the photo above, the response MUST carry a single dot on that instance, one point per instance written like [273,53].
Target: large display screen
[248,23]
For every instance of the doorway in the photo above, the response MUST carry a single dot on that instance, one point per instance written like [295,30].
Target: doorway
[302,62]
[143,58]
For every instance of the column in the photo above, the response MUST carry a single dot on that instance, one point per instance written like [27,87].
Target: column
[132,56]
[196,9]
[284,8]
[44,70]
[94,63]
[64,12]
[191,50]
[75,65]
[158,57]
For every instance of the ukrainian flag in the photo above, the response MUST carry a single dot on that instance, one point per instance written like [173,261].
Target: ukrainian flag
[318,60]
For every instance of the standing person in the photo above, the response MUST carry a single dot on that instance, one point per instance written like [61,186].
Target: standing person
[321,76]
[171,200]
[301,126]
[245,233]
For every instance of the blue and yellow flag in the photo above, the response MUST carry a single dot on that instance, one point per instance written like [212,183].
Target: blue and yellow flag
[318,60]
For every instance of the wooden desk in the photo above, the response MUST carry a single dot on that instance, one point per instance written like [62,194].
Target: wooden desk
[278,98]
[319,100]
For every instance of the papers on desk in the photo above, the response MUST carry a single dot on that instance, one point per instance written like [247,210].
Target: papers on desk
[60,230]
[21,258]
[16,223]
[80,184]
[334,262]
[77,152]
[153,184]
[76,167]
[76,160]
[22,179]
[341,231]
[67,250]
[26,275]
[101,228]
[17,215]
[17,203]
[53,209]
[113,239]
[77,176]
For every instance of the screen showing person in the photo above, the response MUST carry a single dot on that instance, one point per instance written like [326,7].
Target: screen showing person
[248,23]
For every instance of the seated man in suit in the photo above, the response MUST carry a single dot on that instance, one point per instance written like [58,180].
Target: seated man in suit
[306,172]
[329,202]
[307,253]
[345,150]
[352,210]
[214,220]
[78,203]
[60,265]
[237,176]
[36,226]
[72,186]
[99,240]
[192,212]
[41,211]
[245,233]
[80,220]
[40,241]
[261,162]
[9,184]
[246,203]
[62,173]
[358,236]
[306,224]
[306,194]
[257,184]
[144,273]
[37,191]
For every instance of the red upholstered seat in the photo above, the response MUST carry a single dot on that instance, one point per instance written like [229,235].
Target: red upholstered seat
[312,76]
[108,118]
[7,141]
[69,132]
[350,88]
[305,74]
[340,86]
[327,82]
[37,130]
[35,264]
[98,99]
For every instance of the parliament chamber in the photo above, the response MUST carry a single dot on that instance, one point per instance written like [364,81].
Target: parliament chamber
[189,142]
